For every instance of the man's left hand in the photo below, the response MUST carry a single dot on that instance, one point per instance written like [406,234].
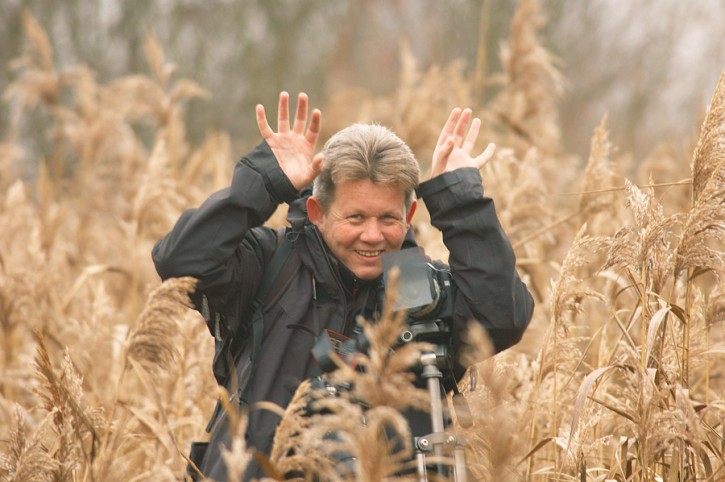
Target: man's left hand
[453,150]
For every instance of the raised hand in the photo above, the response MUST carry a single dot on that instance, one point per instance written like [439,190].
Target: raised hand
[453,150]
[293,148]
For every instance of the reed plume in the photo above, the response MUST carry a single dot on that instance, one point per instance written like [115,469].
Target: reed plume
[599,176]
[236,456]
[704,230]
[153,341]
[526,108]
[699,249]
[28,458]
[38,82]
[495,430]
[643,250]
[382,376]
[290,430]
[561,352]
[76,426]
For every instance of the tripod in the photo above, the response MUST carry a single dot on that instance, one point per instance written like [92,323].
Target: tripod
[439,441]
[433,370]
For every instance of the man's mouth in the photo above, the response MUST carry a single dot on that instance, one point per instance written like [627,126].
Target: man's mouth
[369,254]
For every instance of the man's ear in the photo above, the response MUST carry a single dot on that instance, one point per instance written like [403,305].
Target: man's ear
[314,211]
[411,211]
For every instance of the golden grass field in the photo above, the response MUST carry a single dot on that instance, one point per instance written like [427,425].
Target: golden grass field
[105,374]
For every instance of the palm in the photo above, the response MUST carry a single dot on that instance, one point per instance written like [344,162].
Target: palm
[294,154]
[293,147]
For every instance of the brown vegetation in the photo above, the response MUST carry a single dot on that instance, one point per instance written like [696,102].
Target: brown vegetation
[105,374]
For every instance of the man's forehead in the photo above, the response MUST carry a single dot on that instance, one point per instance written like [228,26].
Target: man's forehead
[388,201]
[368,188]
[368,210]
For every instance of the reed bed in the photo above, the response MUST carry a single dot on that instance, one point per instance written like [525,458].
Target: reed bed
[105,372]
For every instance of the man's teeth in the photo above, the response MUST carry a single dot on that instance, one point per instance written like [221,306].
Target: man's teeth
[369,254]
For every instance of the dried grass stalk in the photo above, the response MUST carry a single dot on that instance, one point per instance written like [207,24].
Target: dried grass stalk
[158,198]
[38,81]
[598,175]
[62,394]
[236,456]
[532,84]
[568,292]
[153,341]
[643,249]
[26,458]
[709,154]
[703,236]
[77,427]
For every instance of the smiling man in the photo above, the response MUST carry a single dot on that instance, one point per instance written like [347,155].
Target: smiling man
[348,206]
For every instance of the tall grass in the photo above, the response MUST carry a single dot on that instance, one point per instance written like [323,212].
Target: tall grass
[105,373]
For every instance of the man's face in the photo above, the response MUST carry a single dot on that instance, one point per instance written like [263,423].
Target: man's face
[364,221]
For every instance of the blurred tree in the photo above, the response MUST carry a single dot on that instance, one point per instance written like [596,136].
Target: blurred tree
[649,64]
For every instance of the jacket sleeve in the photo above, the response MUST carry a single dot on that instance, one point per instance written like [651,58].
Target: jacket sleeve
[222,243]
[481,259]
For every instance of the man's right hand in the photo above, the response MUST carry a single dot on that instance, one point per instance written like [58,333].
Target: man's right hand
[294,149]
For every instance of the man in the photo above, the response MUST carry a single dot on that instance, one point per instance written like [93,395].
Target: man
[360,208]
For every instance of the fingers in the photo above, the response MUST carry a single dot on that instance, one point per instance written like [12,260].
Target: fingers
[456,126]
[283,118]
[301,114]
[462,126]
[472,136]
[440,160]
[283,112]
[456,143]
[486,155]
[262,123]
[316,164]
[449,127]
[447,149]
[313,132]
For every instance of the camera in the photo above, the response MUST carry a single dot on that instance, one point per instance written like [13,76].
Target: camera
[423,291]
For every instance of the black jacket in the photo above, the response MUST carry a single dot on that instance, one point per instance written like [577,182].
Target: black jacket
[224,244]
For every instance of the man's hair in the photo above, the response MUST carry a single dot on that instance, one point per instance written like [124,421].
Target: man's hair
[366,152]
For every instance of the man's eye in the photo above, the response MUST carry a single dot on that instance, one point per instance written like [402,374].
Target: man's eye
[355,218]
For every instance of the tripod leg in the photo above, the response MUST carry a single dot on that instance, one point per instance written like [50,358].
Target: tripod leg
[436,405]
[433,377]
[422,472]
[459,455]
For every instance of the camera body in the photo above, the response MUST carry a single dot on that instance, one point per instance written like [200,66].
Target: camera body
[424,292]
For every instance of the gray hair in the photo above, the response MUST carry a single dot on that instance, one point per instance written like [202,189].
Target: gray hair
[366,152]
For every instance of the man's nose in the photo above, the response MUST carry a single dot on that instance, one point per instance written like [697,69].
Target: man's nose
[372,232]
